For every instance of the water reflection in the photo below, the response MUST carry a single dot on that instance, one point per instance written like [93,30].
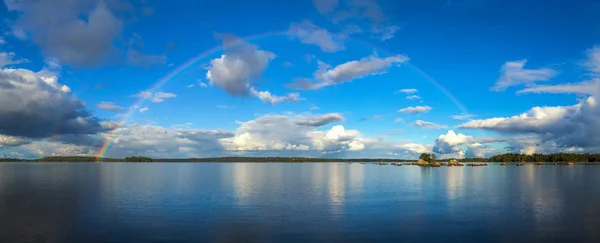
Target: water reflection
[293,202]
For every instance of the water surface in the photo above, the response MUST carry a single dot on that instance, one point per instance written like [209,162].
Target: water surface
[297,202]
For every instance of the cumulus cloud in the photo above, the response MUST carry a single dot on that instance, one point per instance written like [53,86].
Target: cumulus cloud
[238,67]
[41,107]
[269,135]
[76,32]
[136,140]
[475,150]
[109,106]
[346,72]
[309,33]
[555,128]
[513,74]
[428,125]
[449,142]
[297,132]
[407,91]
[12,141]
[567,126]
[157,141]
[9,58]
[415,109]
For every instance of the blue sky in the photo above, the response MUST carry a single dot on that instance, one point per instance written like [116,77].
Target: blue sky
[337,78]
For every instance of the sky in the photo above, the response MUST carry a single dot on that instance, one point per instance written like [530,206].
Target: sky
[310,78]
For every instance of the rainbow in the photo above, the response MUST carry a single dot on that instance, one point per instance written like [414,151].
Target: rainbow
[212,51]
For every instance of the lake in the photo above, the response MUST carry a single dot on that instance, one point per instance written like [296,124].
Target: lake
[297,202]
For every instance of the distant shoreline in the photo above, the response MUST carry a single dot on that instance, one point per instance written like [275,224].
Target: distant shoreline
[506,158]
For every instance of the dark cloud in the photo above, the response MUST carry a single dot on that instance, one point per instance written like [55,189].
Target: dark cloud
[41,107]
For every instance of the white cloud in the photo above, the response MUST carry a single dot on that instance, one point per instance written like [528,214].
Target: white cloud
[449,142]
[312,108]
[413,97]
[407,91]
[238,67]
[2,41]
[269,135]
[415,109]
[398,119]
[144,109]
[12,141]
[9,58]
[109,106]
[161,96]
[156,97]
[346,72]
[296,132]
[309,33]
[566,126]
[428,125]
[513,74]
[266,96]
[590,87]
[191,85]
[416,148]
[202,85]
[475,150]
[593,60]
[462,116]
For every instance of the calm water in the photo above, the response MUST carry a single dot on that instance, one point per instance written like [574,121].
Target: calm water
[292,202]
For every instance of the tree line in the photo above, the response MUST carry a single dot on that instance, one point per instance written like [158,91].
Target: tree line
[508,157]
[557,157]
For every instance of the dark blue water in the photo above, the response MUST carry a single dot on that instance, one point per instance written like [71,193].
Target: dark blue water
[297,202]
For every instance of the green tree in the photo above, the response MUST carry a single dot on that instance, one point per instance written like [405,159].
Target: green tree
[428,157]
